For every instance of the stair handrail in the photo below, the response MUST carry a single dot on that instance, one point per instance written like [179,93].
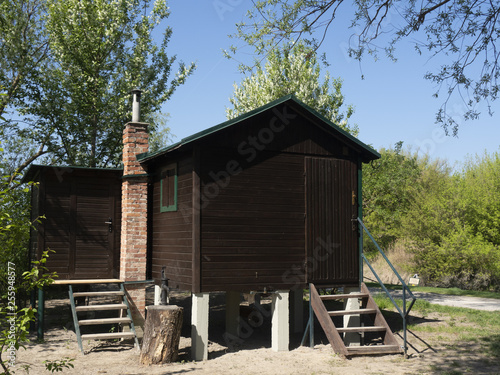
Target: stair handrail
[404,313]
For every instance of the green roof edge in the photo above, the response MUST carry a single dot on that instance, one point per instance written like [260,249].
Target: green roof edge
[34,167]
[150,155]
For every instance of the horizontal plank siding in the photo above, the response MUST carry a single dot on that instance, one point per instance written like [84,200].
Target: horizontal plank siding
[252,230]
[76,204]
[171,237]
[55,206]
[266,130]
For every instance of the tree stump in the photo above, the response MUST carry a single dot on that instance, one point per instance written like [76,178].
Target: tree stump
[162,332]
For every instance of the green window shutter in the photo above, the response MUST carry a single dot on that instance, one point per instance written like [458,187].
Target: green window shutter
[168,189]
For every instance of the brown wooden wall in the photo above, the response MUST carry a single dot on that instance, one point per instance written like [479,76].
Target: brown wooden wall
[255,230]
[171,238]
[252,230]
[76,204]
[331,235]
[259,222]
[298,135]
[54,230]
[96,248]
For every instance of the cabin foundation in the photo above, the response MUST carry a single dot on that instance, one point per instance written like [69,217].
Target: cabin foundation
[215,212]
[280,335]
[352,338]
[199,326]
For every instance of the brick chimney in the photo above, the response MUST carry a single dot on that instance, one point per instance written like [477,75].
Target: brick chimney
[134,211]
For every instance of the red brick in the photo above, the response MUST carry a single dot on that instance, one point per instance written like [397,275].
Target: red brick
[134,215]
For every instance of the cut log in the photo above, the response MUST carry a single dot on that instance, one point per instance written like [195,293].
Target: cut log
[162,332]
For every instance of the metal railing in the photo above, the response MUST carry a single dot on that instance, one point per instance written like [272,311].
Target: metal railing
[406,290]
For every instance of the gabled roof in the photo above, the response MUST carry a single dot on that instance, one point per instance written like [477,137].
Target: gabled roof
[306,111]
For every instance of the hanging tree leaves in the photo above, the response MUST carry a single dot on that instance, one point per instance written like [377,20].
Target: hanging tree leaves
[464,32]
[98,50]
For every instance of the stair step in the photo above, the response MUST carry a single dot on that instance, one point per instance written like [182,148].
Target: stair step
[98,294]
[115,306]
[87,322]
[343,296]
[352,312]
[362,329]
[374,349]
[107,336]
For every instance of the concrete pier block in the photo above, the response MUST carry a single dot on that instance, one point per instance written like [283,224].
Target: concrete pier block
[352,338]
[280,332]
[199,326]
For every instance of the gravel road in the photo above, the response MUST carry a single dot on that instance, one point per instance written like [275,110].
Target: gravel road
[477,303]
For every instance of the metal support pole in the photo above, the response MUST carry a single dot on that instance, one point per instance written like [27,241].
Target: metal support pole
[311,320]
[404,322]
[310,325]
[306,332]
[41,313]
[164,288]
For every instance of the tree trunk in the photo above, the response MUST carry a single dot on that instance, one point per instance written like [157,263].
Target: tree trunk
[162,332]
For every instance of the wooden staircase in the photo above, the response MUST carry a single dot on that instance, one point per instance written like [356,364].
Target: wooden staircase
[373,324]
[109,302]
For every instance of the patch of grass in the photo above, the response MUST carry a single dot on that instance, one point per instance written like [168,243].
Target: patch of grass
[383,302]
[457,325]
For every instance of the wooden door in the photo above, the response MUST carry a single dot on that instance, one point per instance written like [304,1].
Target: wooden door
[331,238]
[94,230]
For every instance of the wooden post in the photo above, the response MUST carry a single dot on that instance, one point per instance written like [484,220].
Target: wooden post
[162,333]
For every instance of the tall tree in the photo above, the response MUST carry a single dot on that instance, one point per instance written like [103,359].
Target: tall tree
[23,47]
[465,32]
[24,50]
[389,186]
[292,70]
[98,51]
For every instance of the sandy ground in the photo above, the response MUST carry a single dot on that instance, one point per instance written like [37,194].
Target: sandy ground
[429,353]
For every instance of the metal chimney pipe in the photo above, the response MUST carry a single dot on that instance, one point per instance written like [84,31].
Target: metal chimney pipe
[136,105]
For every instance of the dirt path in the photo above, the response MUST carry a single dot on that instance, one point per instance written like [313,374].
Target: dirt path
[429,352]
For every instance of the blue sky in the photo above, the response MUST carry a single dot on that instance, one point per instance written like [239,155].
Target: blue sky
[393,103]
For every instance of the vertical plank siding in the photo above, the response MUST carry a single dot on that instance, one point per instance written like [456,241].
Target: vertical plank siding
[171,237]
[332,241]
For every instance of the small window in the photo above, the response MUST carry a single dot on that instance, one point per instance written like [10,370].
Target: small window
[168,186]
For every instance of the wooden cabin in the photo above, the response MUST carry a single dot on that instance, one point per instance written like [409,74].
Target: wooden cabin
[262,202]
[267,201]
